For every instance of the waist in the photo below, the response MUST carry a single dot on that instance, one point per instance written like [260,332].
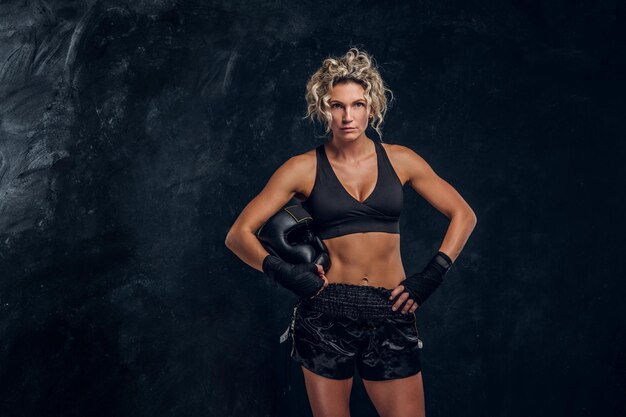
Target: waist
[371,258]
[359,301]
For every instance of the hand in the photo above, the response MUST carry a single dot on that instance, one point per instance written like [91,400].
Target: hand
[409,306]
[302,279]
[322,274]
[419,286]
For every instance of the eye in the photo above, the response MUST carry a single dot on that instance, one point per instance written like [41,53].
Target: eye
[335,105]
[360,104]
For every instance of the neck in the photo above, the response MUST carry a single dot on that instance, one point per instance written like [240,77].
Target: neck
[352,150]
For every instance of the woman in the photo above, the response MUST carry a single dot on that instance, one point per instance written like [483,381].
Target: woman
[361,313]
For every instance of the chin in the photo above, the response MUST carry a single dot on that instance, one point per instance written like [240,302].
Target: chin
[348,138]
[350,135]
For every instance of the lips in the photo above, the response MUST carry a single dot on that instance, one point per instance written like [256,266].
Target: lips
[348,128]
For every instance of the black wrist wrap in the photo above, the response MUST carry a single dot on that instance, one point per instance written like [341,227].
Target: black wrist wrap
[301,279]
[422,284]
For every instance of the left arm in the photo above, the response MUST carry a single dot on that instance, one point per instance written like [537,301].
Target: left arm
[443,197]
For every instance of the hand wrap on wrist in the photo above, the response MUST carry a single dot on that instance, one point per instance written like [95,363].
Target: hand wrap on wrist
[422,284]
[301,279]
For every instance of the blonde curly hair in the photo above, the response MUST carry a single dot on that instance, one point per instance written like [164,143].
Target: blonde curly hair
[357,66]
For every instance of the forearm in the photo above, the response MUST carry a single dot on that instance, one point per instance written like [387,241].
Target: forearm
[247,247]
[460,228]
[302,279]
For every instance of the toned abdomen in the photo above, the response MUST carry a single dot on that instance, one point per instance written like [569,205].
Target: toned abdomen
[371,258]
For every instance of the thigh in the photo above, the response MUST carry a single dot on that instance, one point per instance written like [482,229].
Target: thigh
[403,397]
[328,397]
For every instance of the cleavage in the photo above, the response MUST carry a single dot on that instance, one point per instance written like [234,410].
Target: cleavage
[346,190]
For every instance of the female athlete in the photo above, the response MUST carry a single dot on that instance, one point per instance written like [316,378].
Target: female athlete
[361,313]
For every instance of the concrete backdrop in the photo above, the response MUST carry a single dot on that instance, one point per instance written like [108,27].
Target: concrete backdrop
[133,133]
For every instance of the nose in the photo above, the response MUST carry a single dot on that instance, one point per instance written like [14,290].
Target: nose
[347,118]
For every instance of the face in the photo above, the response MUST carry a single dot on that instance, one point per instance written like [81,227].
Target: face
[349,110]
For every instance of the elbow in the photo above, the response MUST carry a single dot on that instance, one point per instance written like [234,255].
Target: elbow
[473,217]
[467,217]
[470,217]
[233,237]
[230,239]
[472,220]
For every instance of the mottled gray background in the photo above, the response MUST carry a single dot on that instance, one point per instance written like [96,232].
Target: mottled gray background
[133,133]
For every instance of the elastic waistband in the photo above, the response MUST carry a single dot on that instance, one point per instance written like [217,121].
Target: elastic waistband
[359,301]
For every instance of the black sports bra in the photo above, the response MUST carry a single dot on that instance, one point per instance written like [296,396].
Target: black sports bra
[336,213]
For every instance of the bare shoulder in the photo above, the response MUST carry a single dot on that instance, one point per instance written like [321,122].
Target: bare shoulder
[300,169]
[301,164]
[406,162]
[400,152]
[303,161]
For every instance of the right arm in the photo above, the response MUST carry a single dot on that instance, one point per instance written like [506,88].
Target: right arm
[280,188]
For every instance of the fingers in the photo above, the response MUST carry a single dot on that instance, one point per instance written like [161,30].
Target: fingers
[396,291]
[410,306]
[400,301]
[320,271]
[407,304]
[322,274]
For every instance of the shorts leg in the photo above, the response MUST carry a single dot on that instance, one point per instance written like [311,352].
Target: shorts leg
[326,345]
[392,349]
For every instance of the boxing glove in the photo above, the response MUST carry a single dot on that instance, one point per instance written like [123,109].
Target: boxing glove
[288,235]
[301,279]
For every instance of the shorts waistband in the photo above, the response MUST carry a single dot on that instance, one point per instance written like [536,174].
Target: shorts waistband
[360,301]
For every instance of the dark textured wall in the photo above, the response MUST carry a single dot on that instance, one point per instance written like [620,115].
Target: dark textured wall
[133,133]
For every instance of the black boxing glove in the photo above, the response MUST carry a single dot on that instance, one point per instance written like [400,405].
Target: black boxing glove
[288,235]
[422,284]
[301,279]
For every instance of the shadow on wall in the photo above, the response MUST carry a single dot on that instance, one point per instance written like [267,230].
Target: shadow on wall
[108,165]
